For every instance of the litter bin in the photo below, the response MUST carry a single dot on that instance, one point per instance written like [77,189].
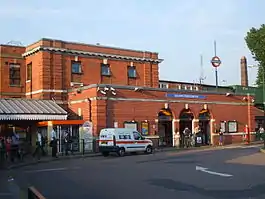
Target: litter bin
[198,140]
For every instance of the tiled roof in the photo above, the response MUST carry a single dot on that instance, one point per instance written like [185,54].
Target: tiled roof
[28,109]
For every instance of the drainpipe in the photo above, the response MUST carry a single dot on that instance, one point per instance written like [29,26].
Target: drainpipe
[90,109]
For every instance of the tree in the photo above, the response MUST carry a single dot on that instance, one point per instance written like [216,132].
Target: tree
[255,41]
[260,78]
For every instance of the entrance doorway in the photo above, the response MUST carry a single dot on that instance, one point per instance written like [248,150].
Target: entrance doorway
[204,124]
[185,120]
[165,118]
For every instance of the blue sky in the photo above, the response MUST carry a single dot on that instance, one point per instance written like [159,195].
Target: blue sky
[180,30]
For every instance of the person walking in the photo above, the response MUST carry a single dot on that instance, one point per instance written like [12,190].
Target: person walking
[261,132]
[38,146]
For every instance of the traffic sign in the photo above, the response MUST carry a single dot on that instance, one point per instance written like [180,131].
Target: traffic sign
[216,62]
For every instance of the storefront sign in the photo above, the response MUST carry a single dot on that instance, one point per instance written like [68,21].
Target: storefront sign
[145,128]
[223,127]
[87,135]
[130,125]
[172,95]
[232,126]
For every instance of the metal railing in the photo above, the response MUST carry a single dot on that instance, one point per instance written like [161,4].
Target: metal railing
[28,152]
[33,193]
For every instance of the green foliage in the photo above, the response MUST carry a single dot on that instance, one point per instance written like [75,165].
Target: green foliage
[260,76]
[255,41]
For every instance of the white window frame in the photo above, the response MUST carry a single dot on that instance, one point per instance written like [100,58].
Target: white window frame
[163,85]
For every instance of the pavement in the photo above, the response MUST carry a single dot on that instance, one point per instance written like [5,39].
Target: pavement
[226,172]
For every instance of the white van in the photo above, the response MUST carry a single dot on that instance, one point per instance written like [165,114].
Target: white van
[122,140]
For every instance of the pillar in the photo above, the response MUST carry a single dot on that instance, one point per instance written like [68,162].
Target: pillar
[176,135]
[49,130]
[212,130]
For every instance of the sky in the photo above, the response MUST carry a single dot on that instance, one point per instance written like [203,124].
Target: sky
[181,31]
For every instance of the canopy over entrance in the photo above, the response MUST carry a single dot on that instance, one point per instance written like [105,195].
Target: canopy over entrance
[29,109]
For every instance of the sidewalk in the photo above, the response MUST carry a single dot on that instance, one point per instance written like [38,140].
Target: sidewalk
[29,160]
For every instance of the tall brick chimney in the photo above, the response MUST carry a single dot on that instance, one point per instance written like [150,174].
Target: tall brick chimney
[244,71]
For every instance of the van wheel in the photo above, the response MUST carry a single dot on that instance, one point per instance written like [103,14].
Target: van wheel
[105,154]
[121,152]
[149,150]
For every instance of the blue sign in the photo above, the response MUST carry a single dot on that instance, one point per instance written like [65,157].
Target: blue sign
[172,95]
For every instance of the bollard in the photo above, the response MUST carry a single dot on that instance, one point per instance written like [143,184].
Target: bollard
[34,194]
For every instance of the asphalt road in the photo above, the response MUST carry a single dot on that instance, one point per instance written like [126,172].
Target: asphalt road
[231,173]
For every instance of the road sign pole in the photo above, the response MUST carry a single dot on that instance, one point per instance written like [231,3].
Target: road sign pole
[216,72]
[216,62]
[216,78]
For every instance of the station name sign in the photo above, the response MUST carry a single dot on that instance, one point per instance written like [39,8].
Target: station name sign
[173,95]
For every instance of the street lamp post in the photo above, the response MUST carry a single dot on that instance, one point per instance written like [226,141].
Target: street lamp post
[249,119]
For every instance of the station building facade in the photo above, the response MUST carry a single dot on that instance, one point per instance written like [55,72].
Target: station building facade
[115,87]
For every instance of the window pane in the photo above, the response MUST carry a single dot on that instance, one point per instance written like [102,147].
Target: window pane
[105,70]
[14,74]
[29,71]
[76,67]
[131,71]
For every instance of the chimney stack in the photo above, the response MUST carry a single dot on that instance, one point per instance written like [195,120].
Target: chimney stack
[244,71]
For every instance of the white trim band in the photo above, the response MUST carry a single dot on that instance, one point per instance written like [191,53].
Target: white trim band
[32,117]
[159,100]
[86,53]
[46,91]
[239,133]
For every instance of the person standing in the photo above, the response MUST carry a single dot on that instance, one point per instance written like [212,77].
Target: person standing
[66,143]
[2,151]
[187,135]
[53,143]
[14,146]
[221,137]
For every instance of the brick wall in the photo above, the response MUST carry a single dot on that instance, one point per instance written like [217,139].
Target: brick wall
[11,55]
[53,71]
[147,109]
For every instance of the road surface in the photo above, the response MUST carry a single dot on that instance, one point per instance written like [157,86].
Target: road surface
[236,173]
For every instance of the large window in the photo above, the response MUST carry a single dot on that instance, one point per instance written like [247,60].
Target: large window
[29,71]
[131,72]
[76,67]
[105,70]
[14,74]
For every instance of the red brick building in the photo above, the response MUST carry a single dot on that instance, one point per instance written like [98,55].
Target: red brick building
[114,87]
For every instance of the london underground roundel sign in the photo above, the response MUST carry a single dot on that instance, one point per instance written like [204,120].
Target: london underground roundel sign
[216,62]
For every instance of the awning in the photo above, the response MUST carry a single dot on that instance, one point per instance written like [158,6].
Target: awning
[29,109]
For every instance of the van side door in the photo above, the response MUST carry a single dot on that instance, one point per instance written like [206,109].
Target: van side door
[139,145]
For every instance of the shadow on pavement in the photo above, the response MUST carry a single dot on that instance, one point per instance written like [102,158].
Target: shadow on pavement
[253,192]
[182,162]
